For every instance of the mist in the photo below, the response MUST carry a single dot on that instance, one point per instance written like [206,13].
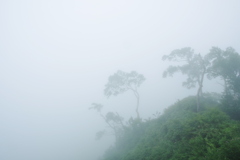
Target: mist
[56,57]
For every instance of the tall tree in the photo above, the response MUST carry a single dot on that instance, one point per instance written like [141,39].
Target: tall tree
[226,65]
[193,65]
[121,82]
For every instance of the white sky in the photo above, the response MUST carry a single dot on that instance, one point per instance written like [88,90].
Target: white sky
[56,56]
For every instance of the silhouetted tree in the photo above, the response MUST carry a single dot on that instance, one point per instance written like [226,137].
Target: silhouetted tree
[121,82]
[195,67]
[226,65]
[113,120]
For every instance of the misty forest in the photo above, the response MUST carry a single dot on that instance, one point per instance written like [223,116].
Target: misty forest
[119,80]
[203,126]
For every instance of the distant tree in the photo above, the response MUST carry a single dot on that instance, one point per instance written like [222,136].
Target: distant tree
[121,82]
[113,120]
[226,65]
[193,65]
[97,106]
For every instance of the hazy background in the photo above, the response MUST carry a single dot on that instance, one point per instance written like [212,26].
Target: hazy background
[56,56]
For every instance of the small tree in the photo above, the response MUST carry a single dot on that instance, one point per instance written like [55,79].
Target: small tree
[121,82]
[113,120]
[194,66]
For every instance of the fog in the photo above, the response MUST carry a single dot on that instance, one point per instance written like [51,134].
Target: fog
[56,57]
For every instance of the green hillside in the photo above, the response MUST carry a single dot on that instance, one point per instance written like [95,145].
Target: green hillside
[201,127]
[181,133]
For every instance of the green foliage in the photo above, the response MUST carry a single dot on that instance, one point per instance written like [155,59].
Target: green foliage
[231,106]
[131,137]
[226,65]
[181,133]
[184,132]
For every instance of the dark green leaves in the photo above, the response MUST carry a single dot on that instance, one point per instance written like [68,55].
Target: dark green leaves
[180,134]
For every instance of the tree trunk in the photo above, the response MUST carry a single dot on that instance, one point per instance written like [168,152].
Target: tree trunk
[198,95]
[137,106]
[199,92]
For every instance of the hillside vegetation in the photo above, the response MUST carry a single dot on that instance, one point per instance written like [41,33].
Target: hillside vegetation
[201,127]
[181,133]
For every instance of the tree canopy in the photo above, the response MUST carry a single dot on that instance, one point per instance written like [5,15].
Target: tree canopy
[193,65]
[217,63]
[226,65]
[121,82]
